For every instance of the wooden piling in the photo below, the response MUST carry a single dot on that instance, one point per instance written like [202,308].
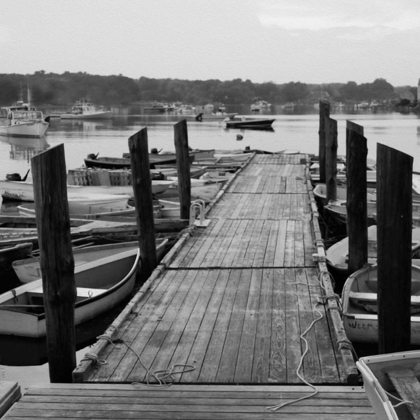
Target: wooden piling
[183,167]
[331,146]
[394,218]
[56,260]
[356,154]
[142,187]
[324,111]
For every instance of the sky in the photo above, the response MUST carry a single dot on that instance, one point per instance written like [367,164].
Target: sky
[280,41]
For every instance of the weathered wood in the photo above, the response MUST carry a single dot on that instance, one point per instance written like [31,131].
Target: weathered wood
[142,186]
[56,260]
[357,223]
[394,218]
[183,167]
[331,146]
[9,393]
[408,386]
[324,111]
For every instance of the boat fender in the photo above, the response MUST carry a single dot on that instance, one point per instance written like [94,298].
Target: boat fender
[199,117]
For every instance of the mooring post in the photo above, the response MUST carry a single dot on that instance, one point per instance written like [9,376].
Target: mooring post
[324,111]
[356,154]
[394,218]
[56,259]
[183,167]
[143,200]
[331,146]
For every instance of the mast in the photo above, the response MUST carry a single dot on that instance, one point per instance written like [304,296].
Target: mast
[29,96]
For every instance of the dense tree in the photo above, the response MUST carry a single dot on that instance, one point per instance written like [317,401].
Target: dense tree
[66,88]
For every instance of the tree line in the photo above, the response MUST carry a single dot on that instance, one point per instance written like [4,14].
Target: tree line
[66,88]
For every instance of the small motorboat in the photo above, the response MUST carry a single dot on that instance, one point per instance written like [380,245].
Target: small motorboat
[359,302]
[252,123]
[86,110]
[101,282]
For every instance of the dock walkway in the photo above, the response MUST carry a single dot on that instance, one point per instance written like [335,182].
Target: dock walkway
[238,317]
[236,297]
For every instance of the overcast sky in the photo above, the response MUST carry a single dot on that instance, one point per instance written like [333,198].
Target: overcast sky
[308,41]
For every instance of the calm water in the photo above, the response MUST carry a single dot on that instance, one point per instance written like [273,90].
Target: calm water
[110,138]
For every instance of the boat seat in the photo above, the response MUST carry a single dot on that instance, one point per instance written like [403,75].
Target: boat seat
[373,297]
[408,386]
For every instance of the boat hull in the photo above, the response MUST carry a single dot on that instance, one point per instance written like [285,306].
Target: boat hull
[27,129]
[94,116]
[360,320]
[92,300]
[23,191]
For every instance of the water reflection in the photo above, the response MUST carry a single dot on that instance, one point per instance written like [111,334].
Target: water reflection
[25,149]
[85,126]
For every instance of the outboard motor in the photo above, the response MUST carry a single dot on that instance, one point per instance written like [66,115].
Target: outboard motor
[92,156]
[17,177]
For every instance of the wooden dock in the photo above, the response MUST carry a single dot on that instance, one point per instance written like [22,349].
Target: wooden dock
[239,316]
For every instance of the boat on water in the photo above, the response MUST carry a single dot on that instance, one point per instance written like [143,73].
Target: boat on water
[250,123]
[86,110]
[18,229]
[10,253]
[389,379]
[260,105]
[102,282]
[23,120]
[337,254]
[219,116]
[93,161]
[359,303]
[159,107]
[23,190]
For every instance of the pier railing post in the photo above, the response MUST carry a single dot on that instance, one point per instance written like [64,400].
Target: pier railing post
[183,167]
[143,199]
[56,259]
[324,111]
[356,154]
[331,145]
[394,218]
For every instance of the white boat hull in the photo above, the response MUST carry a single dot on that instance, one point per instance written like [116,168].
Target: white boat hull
[23,191]
[25,129]
[92,116]
[92,300]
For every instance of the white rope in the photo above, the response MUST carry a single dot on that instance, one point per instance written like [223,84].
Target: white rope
[302,337]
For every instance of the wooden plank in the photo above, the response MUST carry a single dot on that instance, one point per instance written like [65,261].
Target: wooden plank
[228,360]
[281,244]
[243,371]
[278,361]
[261,361]
[270,250]
[408,386]
[230,253]
[253,244]
[243,246]
[9,393]
[213,353]
[289,255]
[259,257]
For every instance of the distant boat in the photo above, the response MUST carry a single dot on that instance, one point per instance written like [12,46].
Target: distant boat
[86,110]
[23,120]
[250,123]
[260,105]
[159,107]
[214,117]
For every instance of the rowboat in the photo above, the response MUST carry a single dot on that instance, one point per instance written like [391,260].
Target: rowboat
[252,123]
[101,283]
[389,379]
[171,170]
[19,229]
[29,269]
[320,193]
[359,302]
[10,253]
[93,161]
[23,191]
[337,254]
[28,209]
